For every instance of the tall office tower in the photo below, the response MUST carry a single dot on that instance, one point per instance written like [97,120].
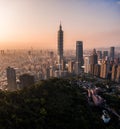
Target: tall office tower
[11,79]
[118,54]
[79,56]
[70,66]
[93,61]
[47,73]
[99,54]
[116,60]
[79,52]
[112,53]
[63,63]
[118,74]
[97,70]
[114,72]
[119,57]
[105,54]
[94,57]
[87,64]
[105,66]
[52,70]
[60,45]
[26,80]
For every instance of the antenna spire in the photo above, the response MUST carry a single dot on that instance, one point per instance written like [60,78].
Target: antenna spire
[60,26]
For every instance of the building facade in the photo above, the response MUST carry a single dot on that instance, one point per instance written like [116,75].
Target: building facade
[79,57]
[11,79]
[26,80]
[112,53]
[93,61]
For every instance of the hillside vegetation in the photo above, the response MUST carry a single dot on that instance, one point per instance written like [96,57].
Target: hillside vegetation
[51,104]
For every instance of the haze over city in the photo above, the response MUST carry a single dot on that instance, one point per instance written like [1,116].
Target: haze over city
[34,23]
[59,64]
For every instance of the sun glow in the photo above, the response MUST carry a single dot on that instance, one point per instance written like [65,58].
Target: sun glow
[35,22]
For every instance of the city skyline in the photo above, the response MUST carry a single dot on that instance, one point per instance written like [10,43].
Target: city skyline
[34,23]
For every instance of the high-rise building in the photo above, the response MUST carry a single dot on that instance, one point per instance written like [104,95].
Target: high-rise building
[112,53]
[87,64]
[79,56]
[60,44]
[118,74]
[99,54]
[63,64]
[94,57]
[70,66]
[97,70]
[79,52]
[47,73]
[11,79]
[114,72]
[26,80]
[104,70]
[52,70]
[93,61]
[105,54]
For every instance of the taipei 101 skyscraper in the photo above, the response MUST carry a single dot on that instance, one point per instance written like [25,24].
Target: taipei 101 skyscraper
[60,45]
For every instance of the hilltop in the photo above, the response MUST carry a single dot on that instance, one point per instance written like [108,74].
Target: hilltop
[52,104]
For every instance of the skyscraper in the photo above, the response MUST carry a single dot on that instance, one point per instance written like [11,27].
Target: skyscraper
[93,61]
[105,54]
[114,72]
[112,53]
[99,54]
[79,52]
[11,79]
[26,80]
[104,70]
[79,57]
[60,44]
[94,57]
[118,74]
[70,66]
[87,64]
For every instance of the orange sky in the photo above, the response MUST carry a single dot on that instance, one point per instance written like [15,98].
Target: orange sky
[34,23]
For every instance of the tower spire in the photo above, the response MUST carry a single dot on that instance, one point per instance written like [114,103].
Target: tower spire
[60,44]
[60,26]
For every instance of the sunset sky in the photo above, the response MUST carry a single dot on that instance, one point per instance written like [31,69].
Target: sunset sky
[34,23]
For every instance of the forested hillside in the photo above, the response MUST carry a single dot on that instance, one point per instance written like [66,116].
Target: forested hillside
[52,104]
